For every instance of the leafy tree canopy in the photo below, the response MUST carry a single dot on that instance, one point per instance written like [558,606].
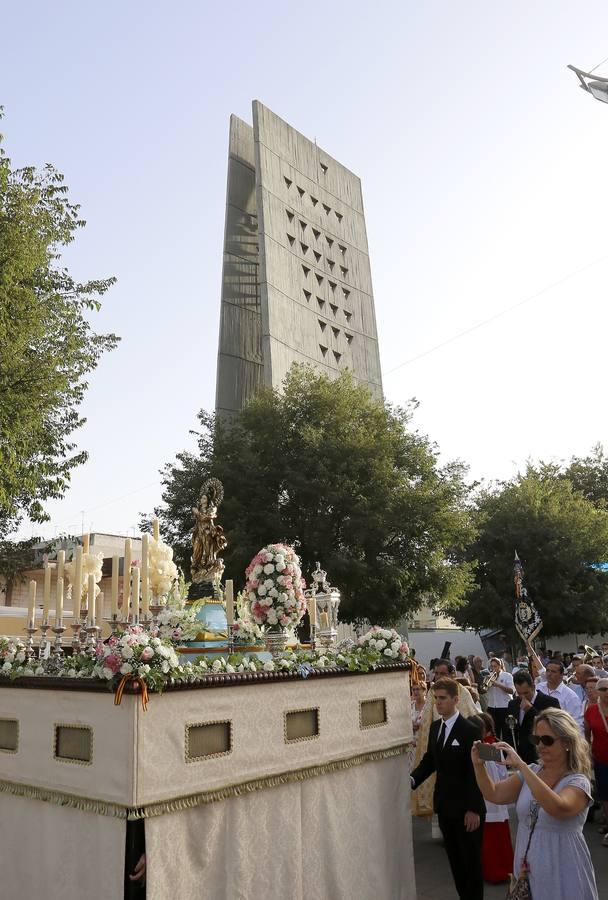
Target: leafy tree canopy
[47,346]
[589,475]
[558,533]
[345,478]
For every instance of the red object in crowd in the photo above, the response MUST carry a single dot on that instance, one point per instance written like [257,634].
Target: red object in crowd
[496,848]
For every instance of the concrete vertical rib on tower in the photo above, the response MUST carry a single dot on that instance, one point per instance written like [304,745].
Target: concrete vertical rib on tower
[314,302]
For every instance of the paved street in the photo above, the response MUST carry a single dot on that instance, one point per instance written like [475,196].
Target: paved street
[434,881]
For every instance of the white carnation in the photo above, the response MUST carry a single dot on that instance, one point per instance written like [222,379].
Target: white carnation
[126,669]
[268,569]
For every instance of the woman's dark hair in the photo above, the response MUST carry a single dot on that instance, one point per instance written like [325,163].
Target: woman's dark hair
[461,664]
[488,723]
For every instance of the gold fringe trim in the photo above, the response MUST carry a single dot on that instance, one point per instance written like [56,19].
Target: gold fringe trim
[190,801]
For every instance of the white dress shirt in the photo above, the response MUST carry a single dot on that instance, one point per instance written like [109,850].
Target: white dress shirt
[498,699]
[449,724]
[567,700]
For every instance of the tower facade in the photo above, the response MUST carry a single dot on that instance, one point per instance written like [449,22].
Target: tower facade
[296,282]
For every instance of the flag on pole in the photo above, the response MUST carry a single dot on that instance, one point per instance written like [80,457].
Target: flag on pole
[527,619]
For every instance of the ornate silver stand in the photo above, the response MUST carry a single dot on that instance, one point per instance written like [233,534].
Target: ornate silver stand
[115,623]
[57,651]
[29,644]
[275,641]
[93,632]
[76,636]
[44,627]
[155,609]
[313,637]
[327,601]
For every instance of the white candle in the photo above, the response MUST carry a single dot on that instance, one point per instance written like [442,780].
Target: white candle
[77,586]
[59,597]
[31,606]
[135,594]
[324,620]
[47,592]
[145,589]
[126,578]
[229,598]
[99,610]
[115,565]
[312,610]
[155,529]
[86,539]
[91,600]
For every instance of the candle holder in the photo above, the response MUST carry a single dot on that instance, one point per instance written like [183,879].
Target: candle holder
[155,608]
[76,636]
[29,644]
[93,632]
[313,637]
[44,642]
[58,630]
[115,623]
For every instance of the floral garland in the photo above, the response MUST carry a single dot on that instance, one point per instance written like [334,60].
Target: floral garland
[138,653]
[275,587]
[244,631]
[177,624]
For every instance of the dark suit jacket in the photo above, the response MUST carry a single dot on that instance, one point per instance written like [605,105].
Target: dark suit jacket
[525,747]
[456,790]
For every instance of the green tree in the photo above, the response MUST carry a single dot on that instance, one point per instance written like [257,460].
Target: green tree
[47,346]
[589,475]
[558,534]
[345,478]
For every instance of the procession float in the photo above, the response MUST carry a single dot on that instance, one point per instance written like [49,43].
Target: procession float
[191,725]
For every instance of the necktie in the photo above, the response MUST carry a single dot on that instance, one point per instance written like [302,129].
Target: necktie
[441,737]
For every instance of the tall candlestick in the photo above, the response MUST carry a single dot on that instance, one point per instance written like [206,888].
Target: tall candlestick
[77,586]
[99,610]
[47,592]
[135,594]
[86,539]
[91,600]
[114,606]
[229,599]
[312,610]
[145,584]
[31,606]
[126,578]
[155,529]
[59,597]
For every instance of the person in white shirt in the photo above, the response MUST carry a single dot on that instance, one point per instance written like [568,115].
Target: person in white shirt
[498,696]
[554,687]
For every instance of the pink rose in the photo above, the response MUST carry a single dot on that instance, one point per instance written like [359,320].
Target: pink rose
[113,662]
[147,653]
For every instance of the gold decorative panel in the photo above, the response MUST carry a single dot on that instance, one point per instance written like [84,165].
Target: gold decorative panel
[74,743]
[9,735]
[301,724]
[372,713]
[208,739]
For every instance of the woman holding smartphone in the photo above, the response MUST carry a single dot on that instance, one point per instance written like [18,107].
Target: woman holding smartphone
[552,799]
[499,693]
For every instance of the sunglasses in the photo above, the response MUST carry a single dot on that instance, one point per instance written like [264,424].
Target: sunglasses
[601,690]
[545,739]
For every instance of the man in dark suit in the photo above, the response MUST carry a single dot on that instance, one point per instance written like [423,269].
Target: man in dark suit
[457,799]
[524,708]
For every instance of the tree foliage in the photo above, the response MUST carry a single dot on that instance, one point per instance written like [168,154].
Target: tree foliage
[323,465]
[47,346]
[558,533]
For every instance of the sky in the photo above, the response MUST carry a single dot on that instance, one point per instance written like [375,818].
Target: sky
[482,168]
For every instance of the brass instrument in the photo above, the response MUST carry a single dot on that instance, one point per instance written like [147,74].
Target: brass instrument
[488,681]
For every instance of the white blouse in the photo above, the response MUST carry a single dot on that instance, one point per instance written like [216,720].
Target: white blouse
[498,699]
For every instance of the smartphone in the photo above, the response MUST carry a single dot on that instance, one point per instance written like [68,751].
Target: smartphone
[489,753]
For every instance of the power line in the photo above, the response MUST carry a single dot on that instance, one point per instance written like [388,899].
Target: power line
[598,65]
[498,315]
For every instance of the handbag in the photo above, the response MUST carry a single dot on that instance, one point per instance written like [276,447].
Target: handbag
[520,889]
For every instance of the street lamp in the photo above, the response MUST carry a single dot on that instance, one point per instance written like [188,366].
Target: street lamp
[593,84]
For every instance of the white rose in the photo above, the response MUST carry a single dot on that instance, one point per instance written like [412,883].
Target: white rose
[165,666]
[268,569]
[20,657]
[395,645]
[126,669]
[156,642]
[127,652]
[269,666]
[229,668]
[257,570]
[6,667]
[107,673]
[281,567]
[262,590]
[274,592]
[39,671]
[217,665]
[380,645]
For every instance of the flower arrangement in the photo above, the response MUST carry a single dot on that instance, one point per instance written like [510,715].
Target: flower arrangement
[385,641]
[92,564]
[162,571]
[244,631]
[275,587]
[178,624]
[137,653]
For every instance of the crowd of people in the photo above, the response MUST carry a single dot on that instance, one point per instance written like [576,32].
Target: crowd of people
[530,733]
